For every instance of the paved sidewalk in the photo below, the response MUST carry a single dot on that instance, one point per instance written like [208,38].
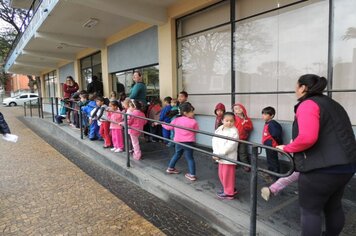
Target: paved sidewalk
[42,193]
[279,216]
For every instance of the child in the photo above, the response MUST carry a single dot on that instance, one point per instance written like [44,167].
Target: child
[271,136]
[153,112]
[115,127]
[82,103]
[113,96]
[219,111]
[226,148]
[164,117]
[5,130]
[100,115]
[137,123]
[186,137]
[244,126]
[172,115]
[279,185]
[93,125]
[65,103]
[182,97]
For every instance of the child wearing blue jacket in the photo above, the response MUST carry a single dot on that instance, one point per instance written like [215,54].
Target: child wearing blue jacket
[165,118]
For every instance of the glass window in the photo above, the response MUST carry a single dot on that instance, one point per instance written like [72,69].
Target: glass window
[274,49]
[213,16]
[204,62]
[90,66]
[23,96]
[344,55]
[246,8]
[150,76]
[50,84]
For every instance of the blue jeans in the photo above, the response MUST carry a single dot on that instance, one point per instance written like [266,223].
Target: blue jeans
[188,154]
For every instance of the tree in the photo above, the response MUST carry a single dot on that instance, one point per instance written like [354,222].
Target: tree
[13,18]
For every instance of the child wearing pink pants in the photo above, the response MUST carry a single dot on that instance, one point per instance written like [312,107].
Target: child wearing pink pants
[279,185]
[116,129]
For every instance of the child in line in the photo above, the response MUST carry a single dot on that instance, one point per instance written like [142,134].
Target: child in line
[65,103]
[113,96]
[279,185]
[271,136]
[101,117]
[116,129]
[172,114]
[228,148]
[93,125]
[186,137]
[153,112]
[244,126]
[219,112]
[137,123]
[82,103]
[165,118]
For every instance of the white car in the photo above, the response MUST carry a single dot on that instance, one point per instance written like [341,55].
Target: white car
[19,100]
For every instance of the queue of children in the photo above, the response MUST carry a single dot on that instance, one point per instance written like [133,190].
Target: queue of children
[102,121]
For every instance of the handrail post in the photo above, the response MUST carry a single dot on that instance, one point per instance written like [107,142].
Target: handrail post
[38,107]
[127,148]
[253,194]
[81,123]
[52,109]
[24,108]
[30,108]
[41,107]
[56,100]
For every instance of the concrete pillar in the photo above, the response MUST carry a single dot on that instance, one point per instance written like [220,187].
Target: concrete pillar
[167,59]
[105,72]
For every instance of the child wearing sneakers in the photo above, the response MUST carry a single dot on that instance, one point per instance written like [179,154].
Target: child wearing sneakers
[116,129]
[279,185]
[227,148]
[186,137]
[244,126]
[137,123]
[271,136]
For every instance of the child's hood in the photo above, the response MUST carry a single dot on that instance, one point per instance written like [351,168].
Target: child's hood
[219,106]
[242,107]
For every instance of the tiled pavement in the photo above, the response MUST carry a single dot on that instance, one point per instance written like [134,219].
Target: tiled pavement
[42,193]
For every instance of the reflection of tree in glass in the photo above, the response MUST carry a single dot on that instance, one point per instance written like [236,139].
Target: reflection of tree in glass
[249,39]
[205,56]
[152,80]
[350,33]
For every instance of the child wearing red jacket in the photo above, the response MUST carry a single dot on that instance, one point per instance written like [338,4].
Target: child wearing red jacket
[244,126]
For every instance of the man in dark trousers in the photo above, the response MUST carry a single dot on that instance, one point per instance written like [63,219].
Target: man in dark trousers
[96,86]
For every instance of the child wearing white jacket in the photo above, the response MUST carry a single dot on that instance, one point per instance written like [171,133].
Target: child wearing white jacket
[227,148]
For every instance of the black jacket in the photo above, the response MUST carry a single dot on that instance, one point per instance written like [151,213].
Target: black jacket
[336,144]
[95,86]
[4,128]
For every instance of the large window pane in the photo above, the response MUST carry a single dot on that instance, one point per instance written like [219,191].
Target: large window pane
[347,100]
[344,51]
[205,62]
[246,8]
[274,49]
[210,17]
[204,105]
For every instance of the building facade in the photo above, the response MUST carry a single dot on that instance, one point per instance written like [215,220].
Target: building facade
[246,51]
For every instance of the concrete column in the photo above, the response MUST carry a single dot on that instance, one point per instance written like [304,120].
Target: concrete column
[105,72]
[167,59]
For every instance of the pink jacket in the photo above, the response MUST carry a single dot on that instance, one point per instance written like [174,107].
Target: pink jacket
[181,135]
[116,117]
[308,115]
[136,122]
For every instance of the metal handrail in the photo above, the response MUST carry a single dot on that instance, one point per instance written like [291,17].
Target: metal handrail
[254,157]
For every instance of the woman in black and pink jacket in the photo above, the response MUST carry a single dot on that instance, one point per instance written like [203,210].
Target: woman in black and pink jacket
[324,150]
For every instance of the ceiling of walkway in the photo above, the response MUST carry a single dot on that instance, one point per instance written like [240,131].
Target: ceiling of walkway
[74,25]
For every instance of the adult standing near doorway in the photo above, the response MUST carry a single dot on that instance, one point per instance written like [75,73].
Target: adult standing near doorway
[69,88]
[139,90]
[95,86]
[324,150]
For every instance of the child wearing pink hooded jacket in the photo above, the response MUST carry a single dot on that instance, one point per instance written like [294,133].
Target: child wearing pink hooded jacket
[137,123]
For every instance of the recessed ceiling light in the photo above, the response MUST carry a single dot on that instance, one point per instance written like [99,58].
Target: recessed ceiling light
[91,23]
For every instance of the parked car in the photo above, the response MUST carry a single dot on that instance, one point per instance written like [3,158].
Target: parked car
[19,100]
